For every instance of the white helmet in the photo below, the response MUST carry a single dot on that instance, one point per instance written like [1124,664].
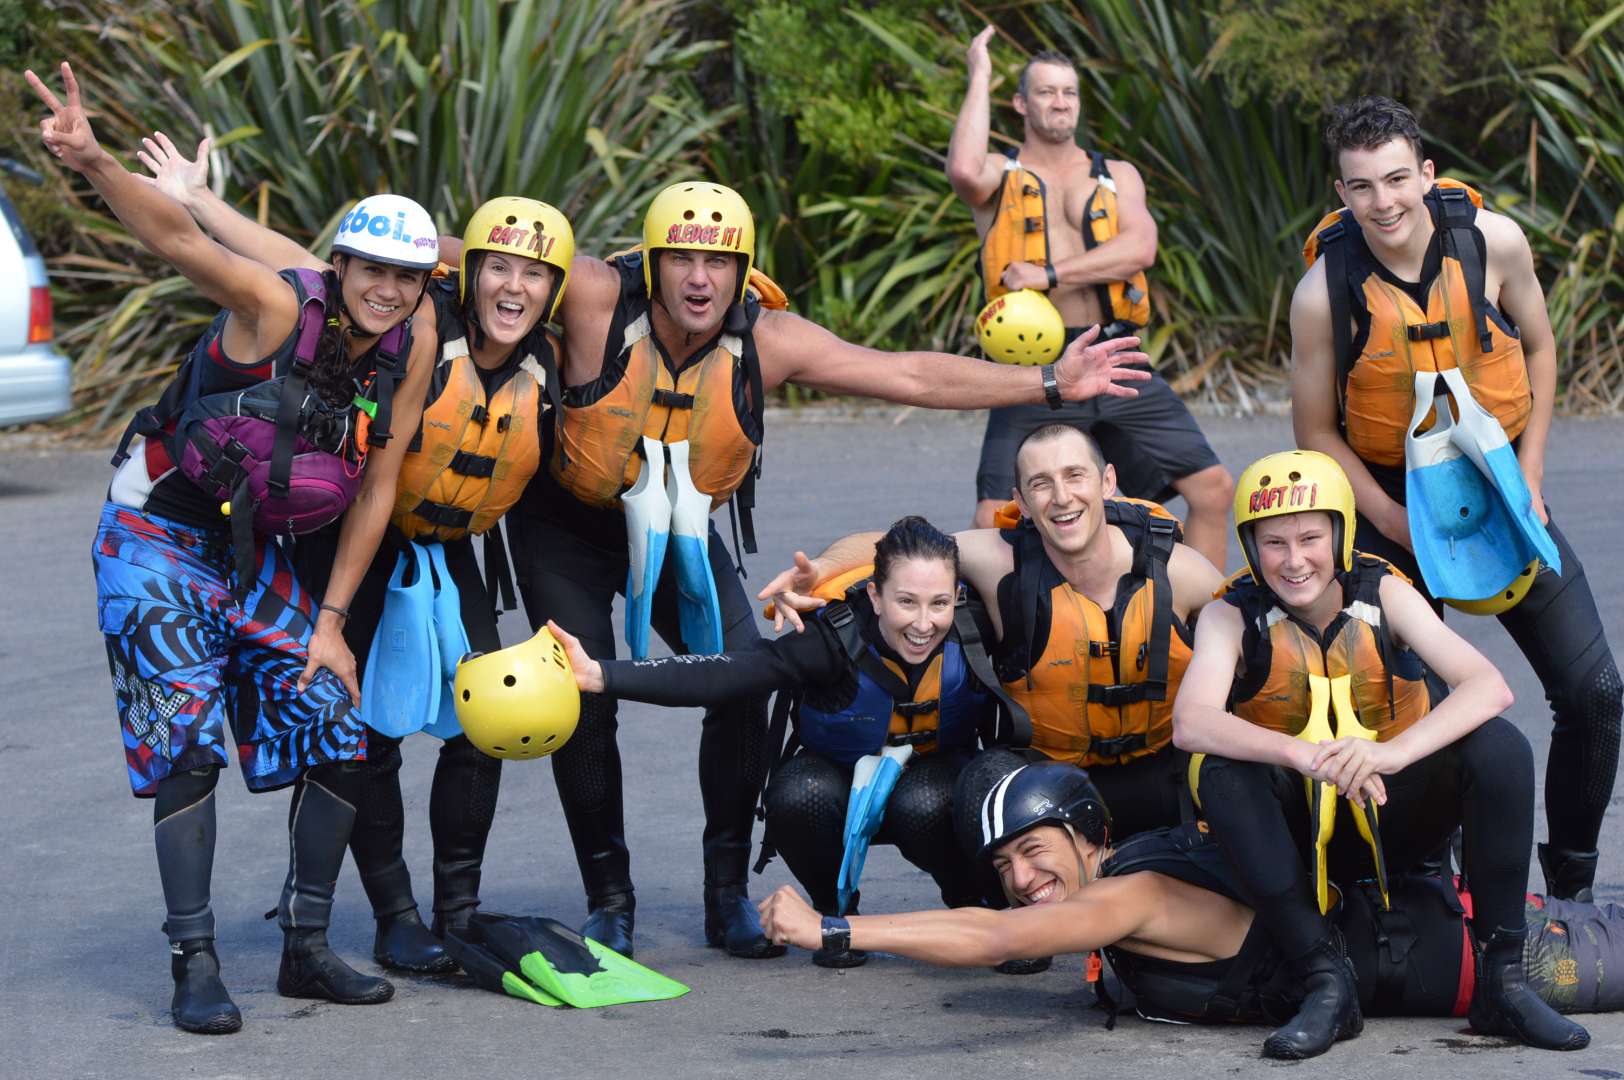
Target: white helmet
[389,229]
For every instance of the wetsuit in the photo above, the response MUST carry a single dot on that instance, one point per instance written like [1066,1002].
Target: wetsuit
[1556,626]
[807,797]
[462,800]
[1415,960]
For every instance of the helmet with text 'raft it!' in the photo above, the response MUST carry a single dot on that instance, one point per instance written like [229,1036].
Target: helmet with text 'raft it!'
[1294,482]
[1021,327]
[527,228]
[520,702]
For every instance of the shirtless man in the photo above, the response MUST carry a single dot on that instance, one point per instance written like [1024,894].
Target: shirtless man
[1094,276]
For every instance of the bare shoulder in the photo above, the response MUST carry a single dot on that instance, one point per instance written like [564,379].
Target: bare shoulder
[1502,237]
[591,278]
[1311,299]
[984,558]
[1193,578]
[1124,170]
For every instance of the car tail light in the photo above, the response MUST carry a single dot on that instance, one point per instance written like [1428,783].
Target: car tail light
[39,314]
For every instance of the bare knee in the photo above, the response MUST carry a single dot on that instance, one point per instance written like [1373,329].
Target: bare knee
[985,509]
[1210,491]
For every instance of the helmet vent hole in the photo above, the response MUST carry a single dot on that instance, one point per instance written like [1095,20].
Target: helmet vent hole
[537,226]
[509,680]
[548,740]
[1294,477]
[1264,481]
[465,695]
[511,220]
[716,215]
[524,740]
[687,215]
[1465,512]
[500,749]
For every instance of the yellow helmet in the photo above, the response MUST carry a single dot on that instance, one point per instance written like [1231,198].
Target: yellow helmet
[528,228]
[1504,600]
[1021,327]
[701,215]
[519,702]
[1294,482]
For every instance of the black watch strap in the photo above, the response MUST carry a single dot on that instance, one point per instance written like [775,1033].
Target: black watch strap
[1054,278]
[836,933]
[1051,387]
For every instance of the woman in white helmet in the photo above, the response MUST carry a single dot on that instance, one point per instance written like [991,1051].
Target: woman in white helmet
[203,621]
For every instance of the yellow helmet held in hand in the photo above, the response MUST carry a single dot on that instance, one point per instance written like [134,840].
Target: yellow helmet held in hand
[1294,482]
[1504,600]
[1021,327]
[703,216]
[519,702]
[528,228]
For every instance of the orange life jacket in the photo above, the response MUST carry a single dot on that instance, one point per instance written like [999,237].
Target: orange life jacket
[1098,686]
[1382,338]
[1277,651]
[1019,233]
[714,402]
[472,456]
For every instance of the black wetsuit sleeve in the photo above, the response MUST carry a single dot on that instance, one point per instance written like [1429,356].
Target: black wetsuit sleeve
[791,662]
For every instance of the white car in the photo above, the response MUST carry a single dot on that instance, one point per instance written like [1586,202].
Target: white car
[34,376]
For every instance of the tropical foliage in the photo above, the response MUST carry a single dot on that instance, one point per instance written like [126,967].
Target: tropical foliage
[833,119]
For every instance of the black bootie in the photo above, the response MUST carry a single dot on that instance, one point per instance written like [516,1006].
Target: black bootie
[609,921]
[1569,875]
[201,1003]
[402,942]
[319,825]
[731,921]
[1330,1009]
[1504,1004]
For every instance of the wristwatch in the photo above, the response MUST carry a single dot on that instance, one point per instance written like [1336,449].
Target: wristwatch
[1054,278]
[1051,387]
[836,933]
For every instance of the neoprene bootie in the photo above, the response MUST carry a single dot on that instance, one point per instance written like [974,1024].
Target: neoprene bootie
[201,1003]
[609,922]
[311,969]
[403,943]
[1504,1004]
[1330,1009]
[1035,966]
[731,923]
[1569,875]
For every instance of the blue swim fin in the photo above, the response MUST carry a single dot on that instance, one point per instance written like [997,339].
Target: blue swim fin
[872,781]
[1462,537]
[648,525]
[452,638]
[401,691]
[699,613]
[1481,438]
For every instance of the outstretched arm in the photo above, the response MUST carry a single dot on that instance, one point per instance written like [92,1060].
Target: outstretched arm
[187,182]
[795,350]
[1103,914]
[162,226]
[974,173]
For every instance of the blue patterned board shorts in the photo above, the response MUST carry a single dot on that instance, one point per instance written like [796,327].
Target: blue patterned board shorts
[186,655]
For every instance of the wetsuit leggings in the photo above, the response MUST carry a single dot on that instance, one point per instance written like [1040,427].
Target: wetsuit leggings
[1146,793]
[573,581]
[462,800]
[1483,784]
[806,819]
[1559,630]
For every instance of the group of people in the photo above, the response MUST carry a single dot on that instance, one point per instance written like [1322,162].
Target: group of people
[605,408]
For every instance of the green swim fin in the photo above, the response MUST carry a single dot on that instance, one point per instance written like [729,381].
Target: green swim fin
[490,972]
[571,968]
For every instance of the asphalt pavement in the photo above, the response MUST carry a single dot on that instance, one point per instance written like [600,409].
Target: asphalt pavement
[86,980]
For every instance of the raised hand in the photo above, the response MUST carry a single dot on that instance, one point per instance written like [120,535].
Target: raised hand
[787,593]
[66,132]
[1087,370]
[976,58]
[172,173]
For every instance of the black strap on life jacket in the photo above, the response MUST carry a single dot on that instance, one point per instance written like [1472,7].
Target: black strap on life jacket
[1333,248]
[1099,170]
[498,572]
[741,507]
[1456,216]
[1011,726]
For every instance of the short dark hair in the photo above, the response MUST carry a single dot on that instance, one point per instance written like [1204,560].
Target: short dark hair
[1369,122]
[1047,56]
[913,538]
[1055,431]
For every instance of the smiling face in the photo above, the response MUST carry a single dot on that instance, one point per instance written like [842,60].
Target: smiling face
[378,295]
[1050,103]
[915,606]
[696,287]
[1062,489]
[1384,187]
[1297,557]
[510,296]
[1043,865]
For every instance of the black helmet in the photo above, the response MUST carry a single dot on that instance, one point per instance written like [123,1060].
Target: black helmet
[1048,793]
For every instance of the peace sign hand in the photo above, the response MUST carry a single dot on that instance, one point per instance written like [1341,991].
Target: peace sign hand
[66,131]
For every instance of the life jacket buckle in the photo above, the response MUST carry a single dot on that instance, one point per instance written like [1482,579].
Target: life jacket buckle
[479,415]
[1099,650]
[1034,225]
[1427,331]
[1117,745]
[911,738]
[1117,695]
[504,422]
[910,709]
[1144,652]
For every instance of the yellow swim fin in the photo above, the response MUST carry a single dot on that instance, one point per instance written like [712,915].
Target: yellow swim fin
[1369,824]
